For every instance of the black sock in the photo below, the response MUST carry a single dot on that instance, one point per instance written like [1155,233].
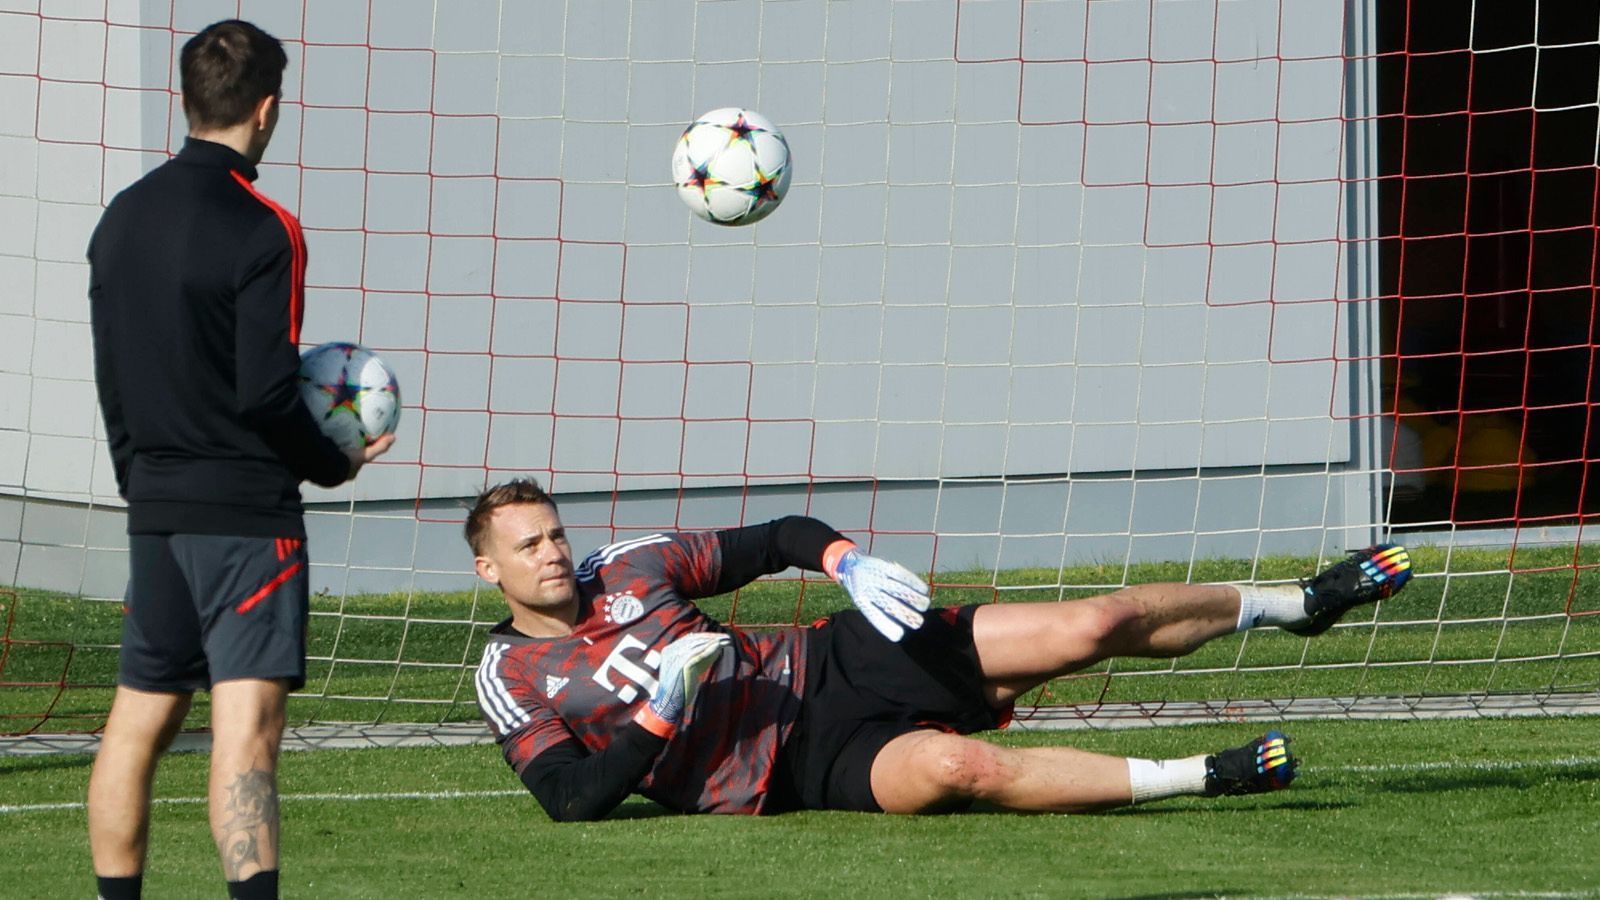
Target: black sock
[262,885]
[124,888]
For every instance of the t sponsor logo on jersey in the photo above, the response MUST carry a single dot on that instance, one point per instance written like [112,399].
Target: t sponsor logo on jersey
[622,607]
[637,665]
[553,685]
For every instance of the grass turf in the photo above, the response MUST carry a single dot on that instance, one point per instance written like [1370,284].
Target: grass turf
[1499,806]
[1474,621]
[1381,808]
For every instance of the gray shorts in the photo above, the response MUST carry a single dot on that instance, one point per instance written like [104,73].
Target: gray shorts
[204,608]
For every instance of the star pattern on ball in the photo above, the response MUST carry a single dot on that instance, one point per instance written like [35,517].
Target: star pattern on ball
[700,178]
[343,395]
[741,130]
[764,188]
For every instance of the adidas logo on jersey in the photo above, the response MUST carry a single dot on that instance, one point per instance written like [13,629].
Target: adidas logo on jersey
[553,685]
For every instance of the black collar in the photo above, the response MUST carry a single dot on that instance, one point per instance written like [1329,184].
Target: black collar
[197,152]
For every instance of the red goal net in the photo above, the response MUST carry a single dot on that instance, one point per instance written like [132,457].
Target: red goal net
[1063,297]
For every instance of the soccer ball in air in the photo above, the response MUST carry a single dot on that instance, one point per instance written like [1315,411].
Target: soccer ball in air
[731,166]
[351,392]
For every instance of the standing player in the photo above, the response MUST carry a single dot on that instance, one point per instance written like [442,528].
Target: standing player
[197,286]
[606,679]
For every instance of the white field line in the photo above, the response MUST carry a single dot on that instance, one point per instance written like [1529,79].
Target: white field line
[1508,765]
[1566,762]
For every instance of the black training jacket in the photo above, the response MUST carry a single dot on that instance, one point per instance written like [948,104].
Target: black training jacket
[196,292]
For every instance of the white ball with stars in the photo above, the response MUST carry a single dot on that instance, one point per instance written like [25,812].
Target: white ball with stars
[731,166]
[351,392]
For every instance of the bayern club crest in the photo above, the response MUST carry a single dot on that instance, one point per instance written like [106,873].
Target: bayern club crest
[622,607]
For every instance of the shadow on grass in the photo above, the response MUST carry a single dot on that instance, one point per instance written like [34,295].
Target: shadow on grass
[1217,892]
[18,764]
[639,809]
[1222,806]
[633,810]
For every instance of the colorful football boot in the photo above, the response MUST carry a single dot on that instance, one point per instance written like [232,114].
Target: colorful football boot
[1365,576]
[1264,764]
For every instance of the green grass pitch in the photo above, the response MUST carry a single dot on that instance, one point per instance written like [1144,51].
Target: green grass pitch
[1408,808]
[1419,808]
[1493,624]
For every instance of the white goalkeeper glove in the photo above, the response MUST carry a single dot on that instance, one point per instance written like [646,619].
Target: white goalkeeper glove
[887,593]
[684,663]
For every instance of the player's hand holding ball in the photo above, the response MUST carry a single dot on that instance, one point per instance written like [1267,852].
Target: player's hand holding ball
[355,398]
[360,456]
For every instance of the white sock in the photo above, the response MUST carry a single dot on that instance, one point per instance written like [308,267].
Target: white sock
[1276,604]
[1153,779]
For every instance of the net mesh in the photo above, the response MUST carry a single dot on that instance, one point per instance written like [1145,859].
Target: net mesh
[1065,296]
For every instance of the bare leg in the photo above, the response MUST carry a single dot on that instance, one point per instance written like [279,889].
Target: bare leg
[927,771]
[1022,645]
[247,725]
[139,729]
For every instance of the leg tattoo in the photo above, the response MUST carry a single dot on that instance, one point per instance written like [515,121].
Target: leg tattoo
[252,817]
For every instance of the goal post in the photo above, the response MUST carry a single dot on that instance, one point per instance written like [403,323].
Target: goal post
[1064,296]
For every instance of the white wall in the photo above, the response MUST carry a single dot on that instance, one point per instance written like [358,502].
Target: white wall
[1023,239]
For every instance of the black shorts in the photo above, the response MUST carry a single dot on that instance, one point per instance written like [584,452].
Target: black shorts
[204,608]
[862,692]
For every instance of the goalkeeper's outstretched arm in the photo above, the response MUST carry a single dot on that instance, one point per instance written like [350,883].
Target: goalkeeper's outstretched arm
[891,597]
[756,550]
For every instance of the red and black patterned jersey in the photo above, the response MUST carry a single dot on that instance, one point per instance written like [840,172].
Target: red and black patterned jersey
[634,599]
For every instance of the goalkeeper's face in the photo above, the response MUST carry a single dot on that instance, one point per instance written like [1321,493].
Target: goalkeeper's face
[528,557]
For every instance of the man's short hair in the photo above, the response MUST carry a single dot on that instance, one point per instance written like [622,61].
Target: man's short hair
[520,490]
[226,70]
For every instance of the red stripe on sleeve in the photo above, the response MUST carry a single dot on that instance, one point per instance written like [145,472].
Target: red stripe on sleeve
[297,265]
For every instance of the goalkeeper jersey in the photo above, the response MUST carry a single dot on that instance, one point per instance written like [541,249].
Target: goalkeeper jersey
[634,599]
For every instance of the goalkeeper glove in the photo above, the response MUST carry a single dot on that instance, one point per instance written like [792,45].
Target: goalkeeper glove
[684,664]
[887,593]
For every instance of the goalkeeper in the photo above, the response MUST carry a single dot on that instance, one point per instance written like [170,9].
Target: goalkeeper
[607,680]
